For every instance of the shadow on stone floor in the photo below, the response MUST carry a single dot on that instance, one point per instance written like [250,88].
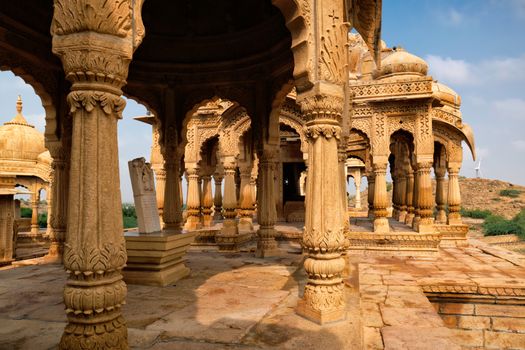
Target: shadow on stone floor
[230,301]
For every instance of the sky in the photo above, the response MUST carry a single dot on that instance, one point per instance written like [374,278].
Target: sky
[474,46]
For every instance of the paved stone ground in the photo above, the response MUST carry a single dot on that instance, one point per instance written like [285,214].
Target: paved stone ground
[236,301]
[230,301]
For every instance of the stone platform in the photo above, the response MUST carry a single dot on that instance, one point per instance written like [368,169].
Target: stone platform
[156,258]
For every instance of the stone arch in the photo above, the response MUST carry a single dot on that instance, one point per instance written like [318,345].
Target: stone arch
[298,17]
[291,116]
[450,139]
[231,131]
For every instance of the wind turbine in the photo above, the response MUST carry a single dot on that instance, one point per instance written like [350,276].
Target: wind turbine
[478,170]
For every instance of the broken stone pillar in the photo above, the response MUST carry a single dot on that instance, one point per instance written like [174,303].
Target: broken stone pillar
[144,195]
[323,240]
[380,199]
[266,211]
[193,203]
[217,198]
[454,194]
[245,198]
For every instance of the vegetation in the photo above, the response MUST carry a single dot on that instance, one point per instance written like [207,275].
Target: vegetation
[129,215]
[389,186]
[42,220]
[496,225]
[512,193]
[475,213]
[26,212]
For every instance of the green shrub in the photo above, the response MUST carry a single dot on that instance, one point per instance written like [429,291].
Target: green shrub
[42,220]
[128,209]
[512,193]
[475,213]
[388,186]
[497,225]
[129,221]
[26,212]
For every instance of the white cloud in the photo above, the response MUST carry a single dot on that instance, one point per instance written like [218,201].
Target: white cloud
[519,145]
[509,108]
[492,71]
[455,17]
[449,70]
[518,7]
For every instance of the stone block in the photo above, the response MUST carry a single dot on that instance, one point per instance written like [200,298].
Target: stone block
[509,324]
[156,259]
[372,338]
[457,309]
[501,340]
[470,338]
[500,310]
[451,321]
[144,195]
[473,322]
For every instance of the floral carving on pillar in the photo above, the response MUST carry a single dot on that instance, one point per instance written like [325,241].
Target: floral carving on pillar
[95,41]
[323,239]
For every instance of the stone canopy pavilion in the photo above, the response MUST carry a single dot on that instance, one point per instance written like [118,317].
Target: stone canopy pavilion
[227,83]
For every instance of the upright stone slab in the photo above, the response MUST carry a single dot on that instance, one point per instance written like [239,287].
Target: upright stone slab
[7,213]
[144,195]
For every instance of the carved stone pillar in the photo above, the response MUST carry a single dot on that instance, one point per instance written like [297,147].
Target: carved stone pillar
[357,182]
[323,239]
[454,195]
[229,231]
[371,184]
[441,215]
[207,201]
[193,203]
[342,157]
[402,196]
[160,181]
[35,199]
[172,209]
[395,196]
[245,198]
[425,199]
[410,197]
[217,198]
[7,216]
[60,189]
[266,208]
[95,45]
[380,199]
[49,200]
[415,200]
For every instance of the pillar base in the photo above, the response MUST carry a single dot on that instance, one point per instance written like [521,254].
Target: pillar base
[192,223]
[156,259]
[453,235]
[245,224]
[381,225]
[409,220]
[207,221]
[425,227]
[320,316]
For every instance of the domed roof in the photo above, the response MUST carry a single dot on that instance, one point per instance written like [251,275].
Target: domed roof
[45,158]
[401,62]
[19,140]
[446,95]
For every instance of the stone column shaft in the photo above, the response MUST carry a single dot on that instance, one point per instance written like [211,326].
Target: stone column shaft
[207,201]
[454,195]
[425,200]
[245,200]
[371,182]
[58,215]
[380,199]
[410,198]
[193,203]
[441,216]
[402,198]
[172,211]
[160,181]
[357,182]
[266,208]
[35,199]
[217,198]
[229,204]
[415,200]
[7,216]
[323,240]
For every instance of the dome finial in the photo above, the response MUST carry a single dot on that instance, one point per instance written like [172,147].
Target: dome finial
[19,104]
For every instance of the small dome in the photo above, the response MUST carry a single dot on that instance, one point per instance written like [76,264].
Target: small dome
[19,140]
[400,62]
[45,158]
[446,95]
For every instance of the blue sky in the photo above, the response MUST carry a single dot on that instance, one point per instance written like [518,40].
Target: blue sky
[474,46]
